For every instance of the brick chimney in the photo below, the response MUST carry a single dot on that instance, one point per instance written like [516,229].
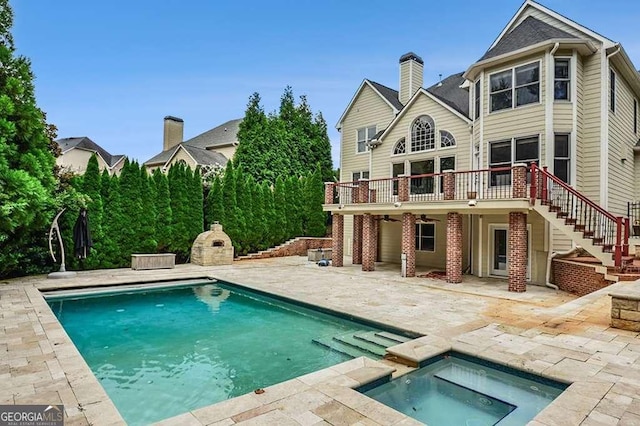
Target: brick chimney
[173,132]
[411,76]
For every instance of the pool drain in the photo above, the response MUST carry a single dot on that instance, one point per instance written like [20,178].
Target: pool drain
[484,401]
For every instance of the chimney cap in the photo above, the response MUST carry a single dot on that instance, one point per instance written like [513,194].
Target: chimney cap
[411,56]
[172,118]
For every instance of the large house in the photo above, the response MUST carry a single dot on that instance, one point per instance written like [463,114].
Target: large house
[76,152]
[211,148]
[499,170]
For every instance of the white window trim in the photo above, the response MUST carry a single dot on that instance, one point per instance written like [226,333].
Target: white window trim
[393,148]
[366,148]
[434,239]
[572,79]
[569,158]
[361,172]
[513,148]
[477,100]
[513,87]
[491,245]
[455,140]
[436,141]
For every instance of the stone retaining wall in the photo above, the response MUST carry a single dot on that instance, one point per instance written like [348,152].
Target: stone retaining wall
[298,247]
[624,312]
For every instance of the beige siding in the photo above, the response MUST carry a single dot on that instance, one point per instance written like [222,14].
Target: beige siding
[562,117]
[444,119]
[368,109]
[348,235]
[588,166]
[527,120]
[551,21]
[75,160]
[404,89]
[182,155]
[636,180]
[560,242]
[621,142]
[227,151]
[578,156]
[390,246]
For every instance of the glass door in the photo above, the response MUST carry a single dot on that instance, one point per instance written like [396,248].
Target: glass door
[499,257]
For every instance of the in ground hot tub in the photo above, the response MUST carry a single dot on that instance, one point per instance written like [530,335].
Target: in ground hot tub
[456,389]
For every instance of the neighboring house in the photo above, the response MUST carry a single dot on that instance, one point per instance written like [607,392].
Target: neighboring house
[77,151]
[211,148]
[548,91]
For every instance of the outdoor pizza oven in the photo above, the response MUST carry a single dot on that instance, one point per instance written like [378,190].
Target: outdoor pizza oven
[212,248]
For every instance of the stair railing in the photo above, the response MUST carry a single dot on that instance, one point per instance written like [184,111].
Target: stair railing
[603,228]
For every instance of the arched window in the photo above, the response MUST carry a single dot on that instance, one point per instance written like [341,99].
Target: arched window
[400,147]
[446,139]
[422,134]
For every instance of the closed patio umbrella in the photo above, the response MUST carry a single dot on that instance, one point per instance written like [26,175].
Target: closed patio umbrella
[82,235]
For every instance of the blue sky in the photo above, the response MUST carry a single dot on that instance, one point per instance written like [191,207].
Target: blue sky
[112,70]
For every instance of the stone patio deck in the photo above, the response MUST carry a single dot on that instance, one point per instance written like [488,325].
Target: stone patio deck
[547,332]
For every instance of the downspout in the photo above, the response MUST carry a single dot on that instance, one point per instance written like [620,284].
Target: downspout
[555,47]
[550,257]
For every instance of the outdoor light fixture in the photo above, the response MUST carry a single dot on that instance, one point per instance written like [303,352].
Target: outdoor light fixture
[397,204]
[473,203]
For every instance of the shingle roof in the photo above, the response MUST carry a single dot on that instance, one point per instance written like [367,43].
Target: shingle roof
[205,156]
[84,142]
[224,134]
[529,32]
[449,92]
[388,93]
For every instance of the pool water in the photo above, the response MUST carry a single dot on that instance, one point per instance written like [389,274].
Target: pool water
[165,352]
[455,390]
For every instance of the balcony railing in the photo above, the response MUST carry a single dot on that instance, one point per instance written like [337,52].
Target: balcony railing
[488,184]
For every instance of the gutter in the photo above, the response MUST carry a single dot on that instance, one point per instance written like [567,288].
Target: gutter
[615,52]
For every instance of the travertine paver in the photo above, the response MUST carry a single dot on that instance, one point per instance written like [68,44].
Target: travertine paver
[550,333]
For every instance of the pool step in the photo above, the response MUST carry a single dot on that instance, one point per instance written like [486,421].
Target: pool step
[392,336]
[375,338]
[339,347]
[362,345]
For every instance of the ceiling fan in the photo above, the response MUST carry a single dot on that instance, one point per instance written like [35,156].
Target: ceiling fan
[424,218]
[386,218]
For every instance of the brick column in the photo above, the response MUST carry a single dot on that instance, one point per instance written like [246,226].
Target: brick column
[376,229]
[517,252]
[337,237]
[449,185]
[409,242]
[328,192]
[454,247]
[368,243]
[357,240]
[403,188]
[519,181]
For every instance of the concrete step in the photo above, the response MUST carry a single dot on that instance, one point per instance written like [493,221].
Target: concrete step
[341,348]
[361,345]
[394,337]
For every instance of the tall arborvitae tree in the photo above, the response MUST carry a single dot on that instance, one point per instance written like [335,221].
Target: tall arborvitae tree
[147,237]
[130,193]
[27,177]
[196,200]
[294,207]
[215,202]
[233,221]
[257,227]
[281,231]
[320,149]
[269,213]
[313,199]
[91,186]
[113,222]
[179,196]
[163,211]
[245,205]
[254,140]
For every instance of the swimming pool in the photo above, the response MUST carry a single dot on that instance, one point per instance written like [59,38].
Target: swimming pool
[456,389]
[163,352]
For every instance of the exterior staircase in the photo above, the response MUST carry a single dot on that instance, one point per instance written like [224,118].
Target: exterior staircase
[298,245]
[600,233]
[370,344]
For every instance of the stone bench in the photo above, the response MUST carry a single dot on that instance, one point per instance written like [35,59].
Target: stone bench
[625,314]
[153,261]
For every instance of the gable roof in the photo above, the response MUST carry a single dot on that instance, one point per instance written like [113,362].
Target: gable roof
[450,92]
[529,32]
[204,156]
[83,142]
[224,134]
[388,95]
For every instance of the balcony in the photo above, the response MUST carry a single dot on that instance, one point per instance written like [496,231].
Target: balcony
[481,191]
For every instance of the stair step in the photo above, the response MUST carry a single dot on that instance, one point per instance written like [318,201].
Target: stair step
[579,228]
[392,336]
[607,248]
[364,346]
[553,208]
[587,234]
[336,346]
[597,240]
[376,339]
[562,215]
[570,221]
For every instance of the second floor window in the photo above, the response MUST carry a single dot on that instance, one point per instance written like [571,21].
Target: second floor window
[422,134]
[506,153]
[505,94]
[562,80]
[356,176]
[562,157]
[424,184]
[365,134]
[446,139]
[477,100]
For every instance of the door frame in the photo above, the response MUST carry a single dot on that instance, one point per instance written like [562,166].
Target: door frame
[491,245]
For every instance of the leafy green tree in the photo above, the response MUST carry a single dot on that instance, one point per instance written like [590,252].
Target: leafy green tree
[131,204]
[320,149]
[91,187]
[281,231]
[254,140]
[245,205]
[113,222]
[270,224]
[163,211]
[293,196]
[257,227]
[27,161]
[313,199]
[196,212]
[215,202]
[147,238]
[233,220]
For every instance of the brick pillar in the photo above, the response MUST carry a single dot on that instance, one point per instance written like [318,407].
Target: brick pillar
[376,229]
[517,252]
[363,191]
[357,240]
[519,182]
[449,185]
[409,242]
[454,248]
[337,237]
[368,243]
[403,188]
[328,192]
